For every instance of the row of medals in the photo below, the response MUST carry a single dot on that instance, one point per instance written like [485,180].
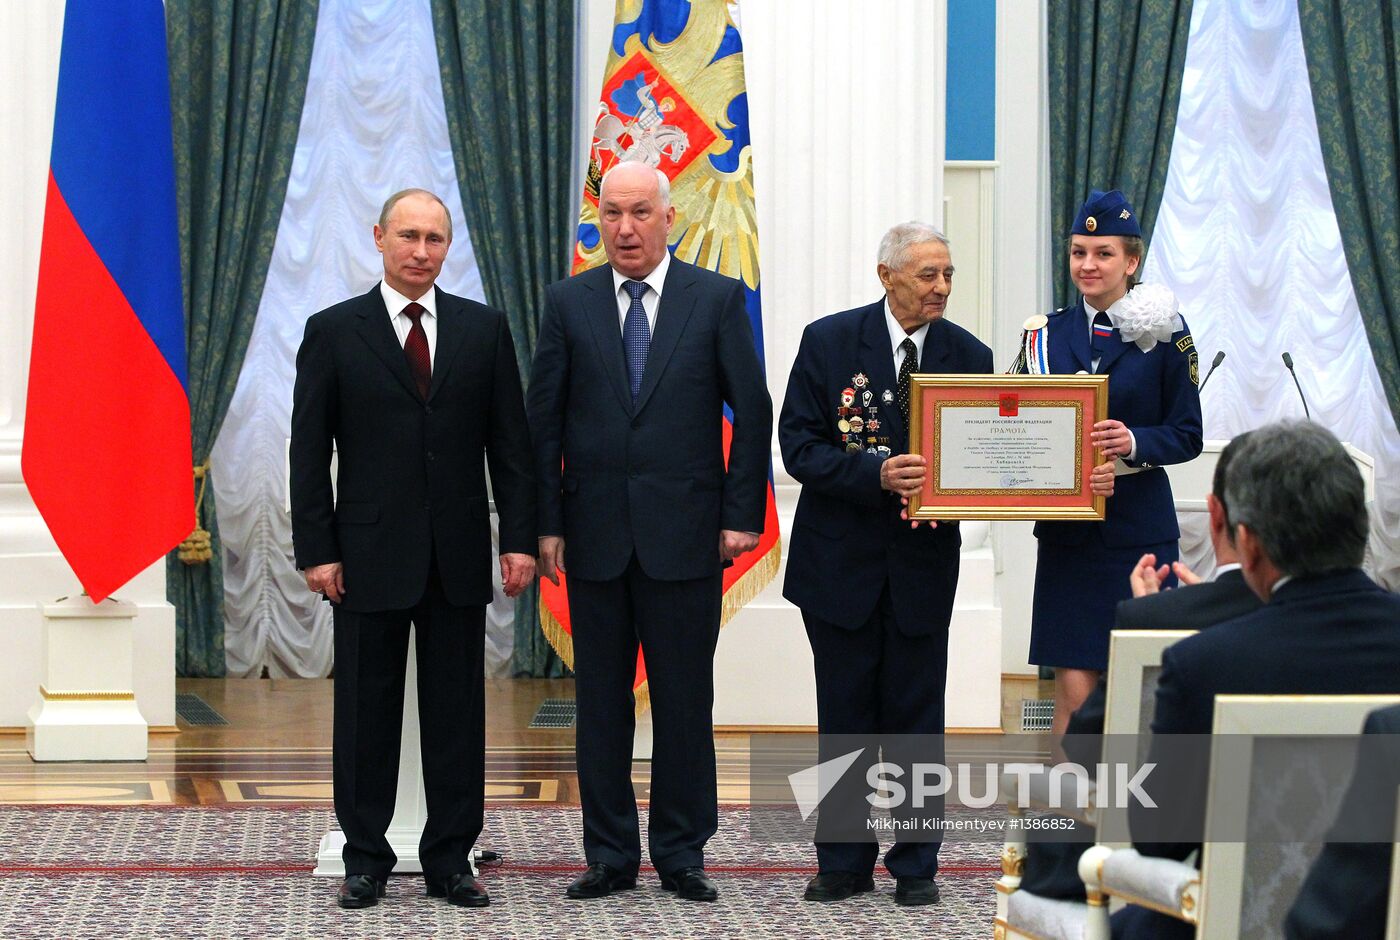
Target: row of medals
[858,422]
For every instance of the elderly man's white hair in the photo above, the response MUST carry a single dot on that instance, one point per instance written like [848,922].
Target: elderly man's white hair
[663,182]
[895,246]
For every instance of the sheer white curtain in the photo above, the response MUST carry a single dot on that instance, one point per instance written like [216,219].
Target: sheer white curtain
[374,123]
[1248,241]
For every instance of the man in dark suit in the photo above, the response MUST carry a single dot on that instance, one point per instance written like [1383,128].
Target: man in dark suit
[411,386]
[1297,512]
[1052,867]
[634,363]
[876,594]
[1346,890]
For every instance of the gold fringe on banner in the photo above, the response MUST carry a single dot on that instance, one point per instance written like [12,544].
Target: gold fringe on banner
[198,548]
[740,593]
[558,637]
[752,581]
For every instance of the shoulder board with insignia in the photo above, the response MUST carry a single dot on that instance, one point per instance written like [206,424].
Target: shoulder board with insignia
[1185,343]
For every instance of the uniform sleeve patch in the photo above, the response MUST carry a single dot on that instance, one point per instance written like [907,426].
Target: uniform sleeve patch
[1185,343]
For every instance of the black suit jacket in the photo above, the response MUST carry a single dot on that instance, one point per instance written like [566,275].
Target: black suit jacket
[411,481]
[1195,607]
[1346,891]
[847,537]
[617,479]
[1336,634]
[1052,868]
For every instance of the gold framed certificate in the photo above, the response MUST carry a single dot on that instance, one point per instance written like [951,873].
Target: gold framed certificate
[1007,446]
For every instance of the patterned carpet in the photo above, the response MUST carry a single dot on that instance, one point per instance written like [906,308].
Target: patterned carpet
[204,872]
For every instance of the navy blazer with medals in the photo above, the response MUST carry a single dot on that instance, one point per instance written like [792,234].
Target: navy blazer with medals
[1154,393]
[648,478]
[847,537]
[410,483]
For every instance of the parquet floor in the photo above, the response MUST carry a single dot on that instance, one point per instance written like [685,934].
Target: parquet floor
[276,748]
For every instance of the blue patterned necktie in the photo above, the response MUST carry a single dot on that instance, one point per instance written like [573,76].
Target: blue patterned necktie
[636,336]
[1099,335]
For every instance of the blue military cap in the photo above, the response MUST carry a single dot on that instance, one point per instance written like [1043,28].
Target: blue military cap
[1106,213]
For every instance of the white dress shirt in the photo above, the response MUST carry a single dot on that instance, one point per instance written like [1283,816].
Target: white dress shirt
[395,302]
[651,300]
[898,336]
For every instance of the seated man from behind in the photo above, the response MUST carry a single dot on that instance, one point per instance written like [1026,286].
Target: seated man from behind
[1296,509]
[1052,868]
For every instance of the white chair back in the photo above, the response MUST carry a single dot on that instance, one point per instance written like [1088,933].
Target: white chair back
[1231,908]
[1134,663]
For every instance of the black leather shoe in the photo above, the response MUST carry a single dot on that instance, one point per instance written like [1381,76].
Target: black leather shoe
[837,886]
[461,890]
[599,881]
[912,892]
[691,884]
[358,891]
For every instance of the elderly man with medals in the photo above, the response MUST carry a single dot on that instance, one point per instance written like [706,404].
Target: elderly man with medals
[1134,334]
[876,594]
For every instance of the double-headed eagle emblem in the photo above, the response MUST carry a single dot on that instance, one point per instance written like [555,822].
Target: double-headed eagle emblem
[680,106]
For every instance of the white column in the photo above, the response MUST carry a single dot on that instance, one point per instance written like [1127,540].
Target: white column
[847,108]
[1023,260]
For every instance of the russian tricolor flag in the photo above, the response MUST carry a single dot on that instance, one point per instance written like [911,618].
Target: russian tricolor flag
[107,425]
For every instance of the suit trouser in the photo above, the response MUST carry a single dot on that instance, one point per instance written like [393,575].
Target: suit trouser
[371,654]
[875,680]
[677,625]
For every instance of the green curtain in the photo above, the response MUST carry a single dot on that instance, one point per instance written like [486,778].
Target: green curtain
[237,80]
[1114,83]
[508,84]
[1353,53]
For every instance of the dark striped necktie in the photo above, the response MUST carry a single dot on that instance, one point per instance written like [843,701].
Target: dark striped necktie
[415,349]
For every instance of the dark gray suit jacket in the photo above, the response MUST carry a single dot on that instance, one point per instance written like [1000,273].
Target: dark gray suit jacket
[617,479]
